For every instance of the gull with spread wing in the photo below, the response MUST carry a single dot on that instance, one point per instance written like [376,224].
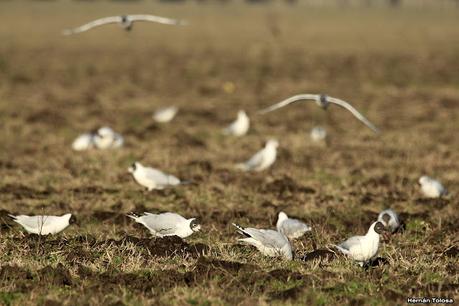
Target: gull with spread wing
[125,21]
[323,101]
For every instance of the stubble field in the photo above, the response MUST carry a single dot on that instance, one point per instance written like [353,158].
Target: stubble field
[399,67]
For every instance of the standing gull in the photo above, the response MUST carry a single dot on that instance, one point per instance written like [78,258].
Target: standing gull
[152,178]
[268,242]
[323,101]
[83,142]
[167,224]
[263,159]
[44,225]
[106,138]
[318,134]
[292,228]
[363,248]
[390,219]
[165,114]
[431,187]
[125,21]
[240,126]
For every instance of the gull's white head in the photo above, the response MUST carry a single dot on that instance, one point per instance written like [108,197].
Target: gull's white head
[241,114]
[318,133]
[134,167]
[194,225]
[424,179]
[272,143]
[282,216]
[105,131]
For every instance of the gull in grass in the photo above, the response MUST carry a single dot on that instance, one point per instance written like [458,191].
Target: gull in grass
[432,188]
[263,159]
[363,248]
[292,228]
[165,114]
[83,142]
[390,219]
[44,225]
[318,134]
[152,178]
[125,21]
[269,242]
[102,138]
[106,138]
[324,102]
[240,126]
[167,224]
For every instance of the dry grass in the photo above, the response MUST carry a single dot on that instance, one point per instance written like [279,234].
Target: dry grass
[399,67]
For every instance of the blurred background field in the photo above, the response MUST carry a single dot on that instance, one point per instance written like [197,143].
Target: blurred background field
[398,65]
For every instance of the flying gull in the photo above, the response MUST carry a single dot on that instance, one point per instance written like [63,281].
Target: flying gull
[125,21]
[323,101]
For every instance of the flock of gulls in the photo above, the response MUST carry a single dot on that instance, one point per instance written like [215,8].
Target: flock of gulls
[270,242]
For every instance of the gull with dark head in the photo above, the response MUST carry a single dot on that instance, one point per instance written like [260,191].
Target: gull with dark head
[269,242]
[152,178]
[363,248]
[167,224]
[390,219]
[324,102]
[44,225]
[125,21]
[263,159]
[292,228]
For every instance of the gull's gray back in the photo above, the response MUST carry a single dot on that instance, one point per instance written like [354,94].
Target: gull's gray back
[164,224]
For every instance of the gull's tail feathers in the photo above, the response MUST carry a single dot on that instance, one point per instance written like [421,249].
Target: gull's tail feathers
[241,230]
